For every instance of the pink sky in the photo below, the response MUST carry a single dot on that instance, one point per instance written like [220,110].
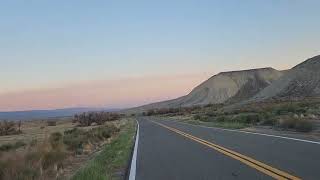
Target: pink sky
[103,93]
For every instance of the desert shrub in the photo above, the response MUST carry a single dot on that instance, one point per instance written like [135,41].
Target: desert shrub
[221,119]
[151,112]
[10,146]
[297,124]
[52,158]
[291,108]
[101,133]
[303,126]
[206,119]
[51,123]
[33,142]
[74,139]
[208,105]
[197,117]
[210,114]
[8,128]
[15,167]
[55,140]
[267,118]
[40,162]
[86,119]
[105,132]
[287,122]
[270,121]
[2,169]
[247,118]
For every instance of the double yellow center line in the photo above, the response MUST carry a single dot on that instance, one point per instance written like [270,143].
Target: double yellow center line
[264,168]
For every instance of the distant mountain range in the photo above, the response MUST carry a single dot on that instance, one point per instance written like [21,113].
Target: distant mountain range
[45,114]
[250,85]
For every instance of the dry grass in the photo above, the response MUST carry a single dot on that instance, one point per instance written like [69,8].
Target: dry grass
[37,130]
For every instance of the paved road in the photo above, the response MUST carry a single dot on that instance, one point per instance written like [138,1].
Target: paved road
[169,150]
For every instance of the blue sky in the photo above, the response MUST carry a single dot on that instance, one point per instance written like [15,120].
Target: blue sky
[46,44]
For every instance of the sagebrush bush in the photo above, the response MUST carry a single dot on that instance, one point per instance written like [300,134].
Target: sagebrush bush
[297,124]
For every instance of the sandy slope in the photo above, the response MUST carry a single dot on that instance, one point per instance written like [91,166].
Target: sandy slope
[226,86]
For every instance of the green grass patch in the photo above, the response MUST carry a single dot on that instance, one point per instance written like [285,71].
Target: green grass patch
[114,157]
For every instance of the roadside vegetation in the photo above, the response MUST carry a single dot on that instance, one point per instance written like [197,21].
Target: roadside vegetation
[282,115]
[96,118]
[112,160]
[51,156]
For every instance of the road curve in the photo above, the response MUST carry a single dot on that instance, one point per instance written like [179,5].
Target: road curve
[172,151]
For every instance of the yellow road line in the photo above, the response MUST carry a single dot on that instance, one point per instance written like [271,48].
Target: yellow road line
[264,168]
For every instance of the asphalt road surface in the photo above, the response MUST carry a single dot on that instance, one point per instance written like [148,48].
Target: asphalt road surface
[168,150]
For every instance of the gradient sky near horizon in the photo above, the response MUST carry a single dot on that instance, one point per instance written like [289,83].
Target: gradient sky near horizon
[57,54]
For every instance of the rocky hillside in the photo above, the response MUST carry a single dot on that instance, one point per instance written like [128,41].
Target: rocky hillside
[301,81]
[224,87]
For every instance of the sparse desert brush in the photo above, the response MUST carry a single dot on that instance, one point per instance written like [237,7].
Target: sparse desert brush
[298,124]
[289,108]
[211,114]
[8,128]
[46,158]
[51,123]
[75,139]
[53,159]
[41,162]
[15,166]
[247,118]
[304,125]
[267,119]
[88,118]
[56,140]
[197,117]
[221,118]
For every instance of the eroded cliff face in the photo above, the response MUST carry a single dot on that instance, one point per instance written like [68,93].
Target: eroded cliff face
[301,81]
[232,86]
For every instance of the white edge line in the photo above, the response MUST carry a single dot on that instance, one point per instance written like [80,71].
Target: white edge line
[247,132]
[133,168]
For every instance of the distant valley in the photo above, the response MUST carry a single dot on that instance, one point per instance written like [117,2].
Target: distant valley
[45,114]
